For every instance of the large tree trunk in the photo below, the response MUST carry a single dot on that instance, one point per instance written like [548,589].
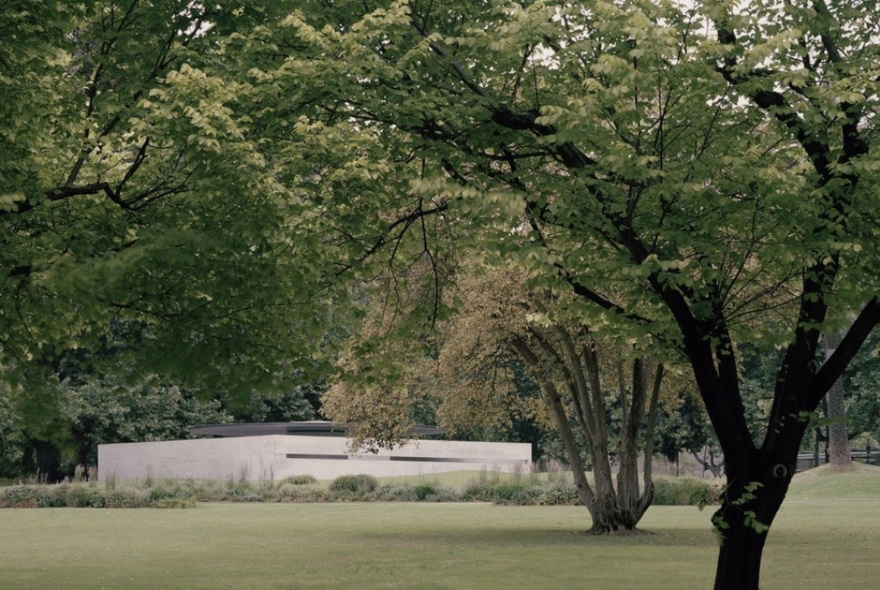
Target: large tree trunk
[742,523]
[756,489]
[43,459]
[739,559]
[840,454]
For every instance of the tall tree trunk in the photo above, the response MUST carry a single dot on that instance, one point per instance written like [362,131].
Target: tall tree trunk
[739,559]
[633,500]
[44,460]
[579,473]
[749,505]
[838,438]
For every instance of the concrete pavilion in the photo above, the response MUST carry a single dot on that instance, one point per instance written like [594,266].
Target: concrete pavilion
[273,451]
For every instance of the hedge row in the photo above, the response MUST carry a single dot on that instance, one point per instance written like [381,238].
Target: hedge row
[185,493]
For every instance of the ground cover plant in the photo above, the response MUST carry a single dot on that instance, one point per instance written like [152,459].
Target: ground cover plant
[547,489]
[429,545]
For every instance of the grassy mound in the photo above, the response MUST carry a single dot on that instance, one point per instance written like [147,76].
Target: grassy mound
[862,482]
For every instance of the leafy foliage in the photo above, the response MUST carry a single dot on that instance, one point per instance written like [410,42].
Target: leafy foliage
[134,188]
[700,173]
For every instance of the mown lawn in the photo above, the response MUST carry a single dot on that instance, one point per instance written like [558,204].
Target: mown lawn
[818,541]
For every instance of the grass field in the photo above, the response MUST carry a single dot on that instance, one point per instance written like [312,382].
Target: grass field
[825,536]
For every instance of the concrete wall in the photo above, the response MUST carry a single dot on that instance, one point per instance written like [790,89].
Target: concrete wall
[324,457]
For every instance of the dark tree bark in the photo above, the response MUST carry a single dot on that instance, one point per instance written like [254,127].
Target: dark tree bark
[43,458]
[759,477]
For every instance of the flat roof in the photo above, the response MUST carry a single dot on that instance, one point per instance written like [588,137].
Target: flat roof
[304,428]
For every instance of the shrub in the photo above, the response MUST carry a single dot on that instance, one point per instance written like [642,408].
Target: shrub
[287,491]
[124,498]
[477,492]
[207,491]
[293,493]
[402,492]
[517,492]
[79,496]
[355,484]
[438,494]
[425,490]
[432,492]
[159,493]
[239,488]
[683,491]
[59,496]
[25,496]
[559,493]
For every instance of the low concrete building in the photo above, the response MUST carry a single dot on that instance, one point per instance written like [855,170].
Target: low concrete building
[306,451]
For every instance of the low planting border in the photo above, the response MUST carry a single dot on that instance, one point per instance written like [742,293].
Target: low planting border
[487,487]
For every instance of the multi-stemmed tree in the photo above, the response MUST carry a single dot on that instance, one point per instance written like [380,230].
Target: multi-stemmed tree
[593,389]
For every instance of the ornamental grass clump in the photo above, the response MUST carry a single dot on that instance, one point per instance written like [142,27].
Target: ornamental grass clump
[354,487]
[82,496]
[559,493]
[684,491]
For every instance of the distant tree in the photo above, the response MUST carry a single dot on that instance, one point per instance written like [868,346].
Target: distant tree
[299,402]
[80,398]
[862,386]
[11,439]
[499,325]
[682,426]
[149,410]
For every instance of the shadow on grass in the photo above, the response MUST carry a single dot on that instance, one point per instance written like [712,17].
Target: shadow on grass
[527,537]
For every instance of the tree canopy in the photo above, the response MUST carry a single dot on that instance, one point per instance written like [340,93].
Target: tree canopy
[141,182]
[700,173]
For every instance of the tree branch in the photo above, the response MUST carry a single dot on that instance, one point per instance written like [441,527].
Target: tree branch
[852,342]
